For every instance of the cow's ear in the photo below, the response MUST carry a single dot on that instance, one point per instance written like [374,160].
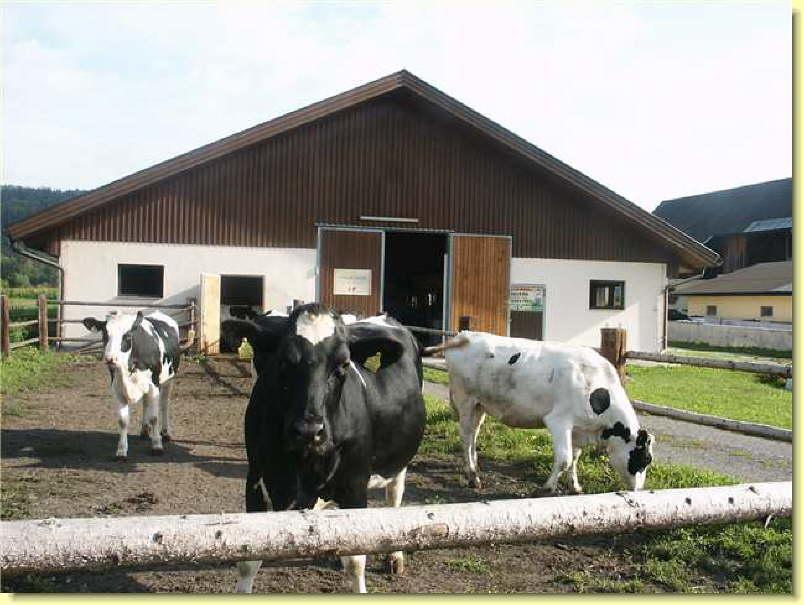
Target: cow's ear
[263,336]
[93,325]
[367,339]
[137,321]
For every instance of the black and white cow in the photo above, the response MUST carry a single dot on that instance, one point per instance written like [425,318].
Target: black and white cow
[142,354]
[320,428]
[571,390]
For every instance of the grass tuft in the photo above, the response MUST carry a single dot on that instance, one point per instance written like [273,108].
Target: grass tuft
[27,369]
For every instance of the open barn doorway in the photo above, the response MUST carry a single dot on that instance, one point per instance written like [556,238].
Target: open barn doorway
[413,289]
[240,295]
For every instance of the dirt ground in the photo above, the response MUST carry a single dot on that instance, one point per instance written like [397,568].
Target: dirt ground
[58,461]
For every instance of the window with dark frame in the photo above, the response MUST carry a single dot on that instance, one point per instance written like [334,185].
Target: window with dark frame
[606,294]
[711,310]
[765,311]
[140,280]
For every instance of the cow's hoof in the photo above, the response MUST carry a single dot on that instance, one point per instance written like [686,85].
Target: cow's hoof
[145,434]
[120,458]
[157,451]
[395,565]
[474,482]
[166,437]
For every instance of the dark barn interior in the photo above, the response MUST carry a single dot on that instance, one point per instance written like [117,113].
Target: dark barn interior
[414,280]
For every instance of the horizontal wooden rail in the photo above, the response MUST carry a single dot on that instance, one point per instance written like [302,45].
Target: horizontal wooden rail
[22,343]
[740,426]
[23,324]
[721,364]
[45,546]
[82,303]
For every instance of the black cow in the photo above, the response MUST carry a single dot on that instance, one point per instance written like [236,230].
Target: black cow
[320,428]
[142,354]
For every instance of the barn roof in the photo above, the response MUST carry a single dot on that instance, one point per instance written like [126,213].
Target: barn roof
[762,278]
[683,245]
[729,210]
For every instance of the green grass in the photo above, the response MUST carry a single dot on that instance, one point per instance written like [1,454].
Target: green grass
[437,376]
[725,393]
[743,557]
[470,563]
[702,349]
[28,369]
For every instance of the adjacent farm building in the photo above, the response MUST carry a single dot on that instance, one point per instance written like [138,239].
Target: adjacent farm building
[392,196]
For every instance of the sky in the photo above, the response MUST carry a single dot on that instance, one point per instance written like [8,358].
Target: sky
[655,100]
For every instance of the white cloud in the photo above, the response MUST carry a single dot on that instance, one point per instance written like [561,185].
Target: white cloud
[654,100]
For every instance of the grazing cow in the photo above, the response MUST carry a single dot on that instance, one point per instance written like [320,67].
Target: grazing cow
[571,390]
[320,428]
[142,354]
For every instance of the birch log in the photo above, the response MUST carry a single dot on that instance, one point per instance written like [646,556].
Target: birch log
[777,369]
[67,544]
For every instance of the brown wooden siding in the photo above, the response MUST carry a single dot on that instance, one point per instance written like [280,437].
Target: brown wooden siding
[351,250]
[480,283]
[388,157]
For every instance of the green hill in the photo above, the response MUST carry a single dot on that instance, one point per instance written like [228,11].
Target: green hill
[17,203]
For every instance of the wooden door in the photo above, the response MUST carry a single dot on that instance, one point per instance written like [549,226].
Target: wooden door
[210,305]
[350,271]
[479,282]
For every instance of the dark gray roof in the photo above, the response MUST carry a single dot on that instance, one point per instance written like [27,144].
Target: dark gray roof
[728,211]
[762,278]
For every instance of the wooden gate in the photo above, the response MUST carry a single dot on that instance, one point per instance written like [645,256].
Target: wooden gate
[479,282]
[350,270]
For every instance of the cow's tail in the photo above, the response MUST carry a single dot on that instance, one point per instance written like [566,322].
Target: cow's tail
[456,343]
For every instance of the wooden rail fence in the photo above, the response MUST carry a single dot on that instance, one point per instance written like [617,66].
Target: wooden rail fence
[44,338]
[49,545]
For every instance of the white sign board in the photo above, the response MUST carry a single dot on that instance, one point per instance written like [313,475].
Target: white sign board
[527,297]
[352,282]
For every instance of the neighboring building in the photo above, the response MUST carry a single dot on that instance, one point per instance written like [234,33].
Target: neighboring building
[762,292]
[745,225]
[391,196]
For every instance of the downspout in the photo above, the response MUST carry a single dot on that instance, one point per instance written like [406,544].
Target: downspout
[19,247]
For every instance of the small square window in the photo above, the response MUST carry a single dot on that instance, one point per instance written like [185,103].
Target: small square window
[711,310]
[140,280]
[606,294]
[766,311]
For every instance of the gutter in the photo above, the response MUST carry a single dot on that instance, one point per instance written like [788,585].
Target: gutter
[19,247]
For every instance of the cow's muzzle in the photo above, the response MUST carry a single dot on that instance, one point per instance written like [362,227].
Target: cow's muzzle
[308,430]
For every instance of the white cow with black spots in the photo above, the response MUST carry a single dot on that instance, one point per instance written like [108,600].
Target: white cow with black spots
[142,355]
[571,390]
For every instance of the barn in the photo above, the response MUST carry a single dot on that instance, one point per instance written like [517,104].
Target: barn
[392,196]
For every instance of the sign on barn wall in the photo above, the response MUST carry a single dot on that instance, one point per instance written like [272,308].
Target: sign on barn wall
[527,297]
[352,282]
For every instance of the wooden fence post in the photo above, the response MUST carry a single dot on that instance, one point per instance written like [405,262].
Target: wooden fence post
[42,304]
[5,343]
[612,347]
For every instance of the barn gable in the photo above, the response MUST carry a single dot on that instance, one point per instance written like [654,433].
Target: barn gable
[396,147]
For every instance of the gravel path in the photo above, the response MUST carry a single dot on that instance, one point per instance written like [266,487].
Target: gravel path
[744,457]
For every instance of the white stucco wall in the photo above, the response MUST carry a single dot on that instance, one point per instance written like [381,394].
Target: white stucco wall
[90,272]
[568,317]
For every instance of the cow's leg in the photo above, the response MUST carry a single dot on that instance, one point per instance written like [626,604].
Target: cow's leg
[164,414]
[470,418]
[122,423]
[575,486]
[152,420]
[353,495]
[394,491]
[145,429]
[561,431]
[256,501]
[355,568]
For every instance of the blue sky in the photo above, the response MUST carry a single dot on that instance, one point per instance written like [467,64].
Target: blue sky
[654,100]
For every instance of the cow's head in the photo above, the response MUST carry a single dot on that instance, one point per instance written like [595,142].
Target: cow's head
[118,332]
[309,360]
[629,454]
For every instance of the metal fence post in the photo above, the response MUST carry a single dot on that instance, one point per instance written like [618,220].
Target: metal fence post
[42,304]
